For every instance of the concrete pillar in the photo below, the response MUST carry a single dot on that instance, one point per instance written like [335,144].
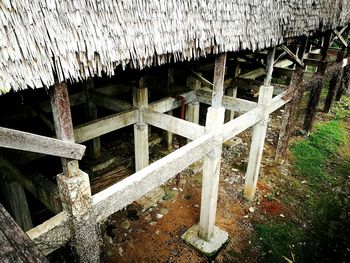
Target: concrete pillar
[140,101]
[257,145]
[76,199]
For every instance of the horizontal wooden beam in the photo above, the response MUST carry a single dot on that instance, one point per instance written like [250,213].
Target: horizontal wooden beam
[169,103]
[98,127]
[253,116]
[255,84]
[52,234]
[38,185]
[175,125]
[133,187]
[26,141]
[230,103]
[111,103]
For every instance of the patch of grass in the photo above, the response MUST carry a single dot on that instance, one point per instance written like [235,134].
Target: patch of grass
[341,109]
[280,240]
[311,155]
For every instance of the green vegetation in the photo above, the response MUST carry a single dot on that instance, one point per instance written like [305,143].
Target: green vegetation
[311,155]
[319,230]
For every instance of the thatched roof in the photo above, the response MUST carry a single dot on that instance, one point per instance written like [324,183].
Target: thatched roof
[79,38]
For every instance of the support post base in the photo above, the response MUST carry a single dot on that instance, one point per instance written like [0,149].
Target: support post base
[211,247]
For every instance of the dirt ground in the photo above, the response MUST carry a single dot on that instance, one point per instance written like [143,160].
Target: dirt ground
[155,234]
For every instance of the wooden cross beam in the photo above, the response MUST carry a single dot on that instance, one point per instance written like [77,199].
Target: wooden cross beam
[202,80]
[230,103]
[292,56]
[340,37]
[26,141]
[175,125]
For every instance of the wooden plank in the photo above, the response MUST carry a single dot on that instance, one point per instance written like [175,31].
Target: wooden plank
[292,56]
[94,146]
[96,128]
[169,103]
[140,101]
[340,37]
[111,103]
[201,79]
[16,201]
[24,248]
[38,185]
[230,103]
[26,141]
[219,77]
[52,234]
[133,187]
[175,125]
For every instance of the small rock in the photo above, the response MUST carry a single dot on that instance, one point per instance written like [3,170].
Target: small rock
[157,231]
[148,218]
[153,223]
[282,215]
[164,211]
[246,216]
[159,216]
[197,206]
[175,189]
[303,182]
[120,251]
[125,224]
[251,209]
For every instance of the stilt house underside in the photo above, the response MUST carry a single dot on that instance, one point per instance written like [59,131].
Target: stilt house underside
[82,38]
[109,55]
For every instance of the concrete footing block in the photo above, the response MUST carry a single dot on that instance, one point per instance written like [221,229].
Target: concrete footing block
[211,247]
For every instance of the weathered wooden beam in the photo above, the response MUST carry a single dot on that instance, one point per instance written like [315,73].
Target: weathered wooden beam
[25,141]
[98,127]
[169,103]
[175,125]
[38,185]
[219,77]
[340,32]
[140,101]
[133,187]
[340,37]
[201,79]
[230,103]
[111,103]
[52,234]
[292,56]
[94,146]
[211,173]
[15,200]
[15,245]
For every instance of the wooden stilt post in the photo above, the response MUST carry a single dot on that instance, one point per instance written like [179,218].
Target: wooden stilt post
[259,132]
[168,136]
[335,82]
[211,164]
[192,108]
[315,92]
[73,184]
[290,108]
[205,236]
[232,91]
[91,114]
[16,201]
[345,82]
[140,101]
